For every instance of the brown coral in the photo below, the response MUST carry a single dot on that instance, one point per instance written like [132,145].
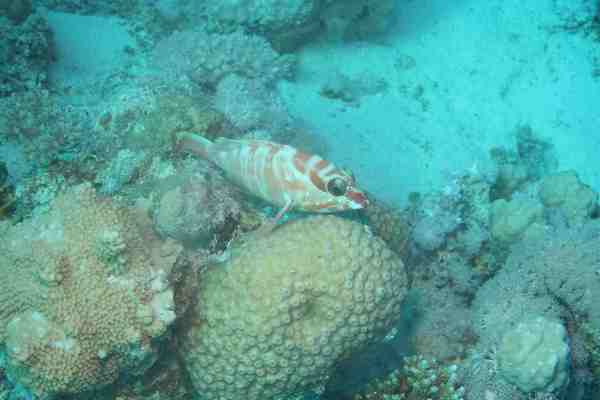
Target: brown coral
[277,316]
[85,295]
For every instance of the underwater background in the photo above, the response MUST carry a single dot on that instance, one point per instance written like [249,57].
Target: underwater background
[159,241]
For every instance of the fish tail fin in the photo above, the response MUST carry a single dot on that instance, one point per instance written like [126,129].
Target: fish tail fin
[193,143]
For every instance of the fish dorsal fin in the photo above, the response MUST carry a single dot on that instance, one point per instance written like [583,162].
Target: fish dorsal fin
[265,142]
[225,144]
[238,142]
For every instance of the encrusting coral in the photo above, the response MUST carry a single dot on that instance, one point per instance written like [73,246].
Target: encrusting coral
[85,295]
[276,318]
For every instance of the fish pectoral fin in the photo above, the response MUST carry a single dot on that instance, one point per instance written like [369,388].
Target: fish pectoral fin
[288,205]
[270,224]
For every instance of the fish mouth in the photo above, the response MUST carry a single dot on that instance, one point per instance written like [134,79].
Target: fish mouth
[359,199]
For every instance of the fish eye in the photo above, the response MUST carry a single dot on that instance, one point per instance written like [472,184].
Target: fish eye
[349,173]
[337,187]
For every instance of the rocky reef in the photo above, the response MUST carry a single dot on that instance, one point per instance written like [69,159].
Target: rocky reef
[131,271]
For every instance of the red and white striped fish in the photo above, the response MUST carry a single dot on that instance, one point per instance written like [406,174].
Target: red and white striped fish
[280,174]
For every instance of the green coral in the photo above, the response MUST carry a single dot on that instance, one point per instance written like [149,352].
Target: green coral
[511,220]
[566,193]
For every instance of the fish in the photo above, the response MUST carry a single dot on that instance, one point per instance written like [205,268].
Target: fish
[279,174]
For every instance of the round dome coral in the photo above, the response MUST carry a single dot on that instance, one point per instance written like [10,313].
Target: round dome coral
[276,317]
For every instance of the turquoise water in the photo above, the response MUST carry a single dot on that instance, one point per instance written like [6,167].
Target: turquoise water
[277,199]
